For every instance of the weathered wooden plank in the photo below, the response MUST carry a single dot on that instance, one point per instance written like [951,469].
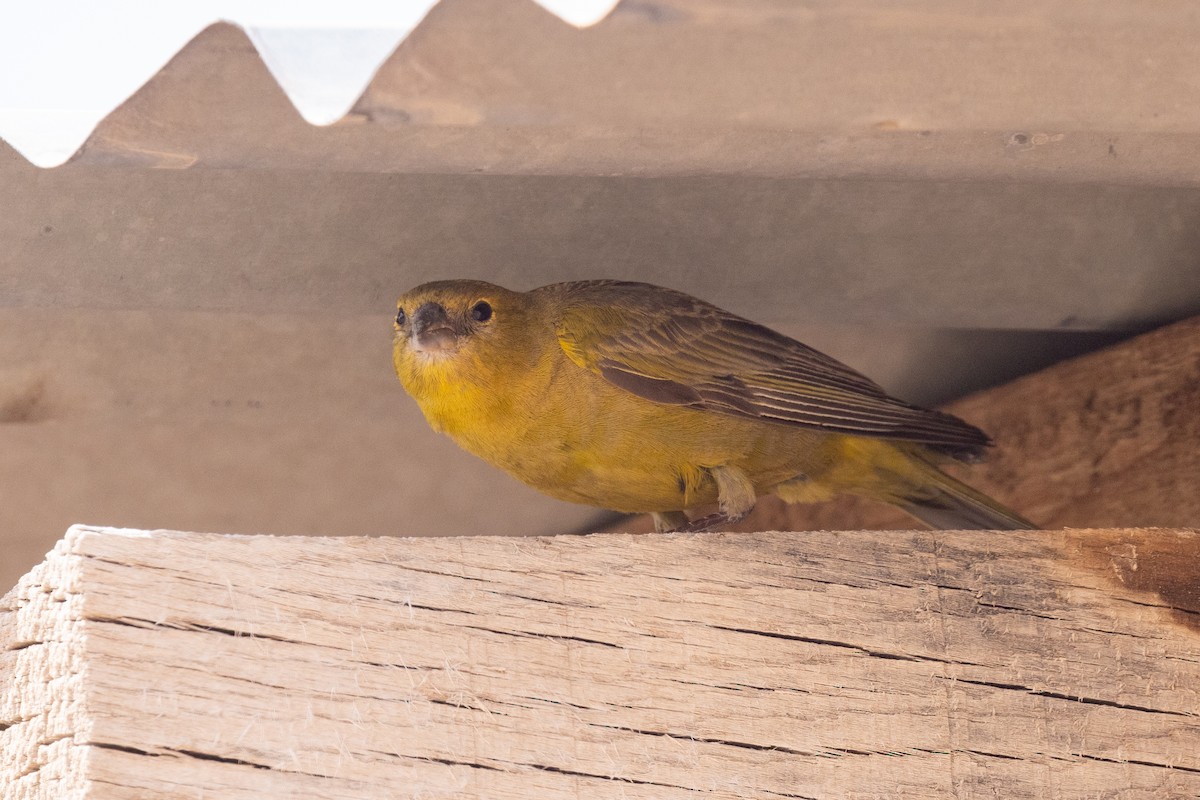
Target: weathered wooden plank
[831,664]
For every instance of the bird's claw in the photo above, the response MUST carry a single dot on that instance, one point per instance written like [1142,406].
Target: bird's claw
[707,522]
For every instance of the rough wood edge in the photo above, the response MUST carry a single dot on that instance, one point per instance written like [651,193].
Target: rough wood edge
[875,616]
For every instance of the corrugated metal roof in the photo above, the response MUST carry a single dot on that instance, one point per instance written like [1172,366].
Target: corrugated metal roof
[65,65]
[1025,90]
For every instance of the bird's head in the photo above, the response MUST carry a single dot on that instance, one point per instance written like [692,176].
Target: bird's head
[459,331]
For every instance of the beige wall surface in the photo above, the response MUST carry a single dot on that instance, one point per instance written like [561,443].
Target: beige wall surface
[195,312]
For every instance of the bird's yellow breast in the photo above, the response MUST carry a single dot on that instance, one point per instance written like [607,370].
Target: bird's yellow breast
[571,434]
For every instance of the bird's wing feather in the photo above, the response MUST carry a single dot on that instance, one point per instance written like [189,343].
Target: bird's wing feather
[672,348]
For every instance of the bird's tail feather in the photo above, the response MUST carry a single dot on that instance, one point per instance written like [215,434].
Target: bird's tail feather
[949,504]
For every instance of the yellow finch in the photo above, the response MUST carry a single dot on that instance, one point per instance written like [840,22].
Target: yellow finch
[638,398]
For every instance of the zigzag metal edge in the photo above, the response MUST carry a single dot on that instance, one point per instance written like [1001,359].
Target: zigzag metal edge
[38,139]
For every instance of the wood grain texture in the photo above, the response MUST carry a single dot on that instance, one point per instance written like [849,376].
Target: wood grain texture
[817,665]
[1107,439]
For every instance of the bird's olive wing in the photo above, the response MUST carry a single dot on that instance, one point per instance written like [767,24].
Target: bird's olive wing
[671,348]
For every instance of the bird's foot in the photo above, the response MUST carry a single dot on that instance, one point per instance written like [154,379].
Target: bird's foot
[669,521]
[735,499]
[708,522]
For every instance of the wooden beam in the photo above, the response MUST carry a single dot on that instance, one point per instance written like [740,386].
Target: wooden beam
[835,664]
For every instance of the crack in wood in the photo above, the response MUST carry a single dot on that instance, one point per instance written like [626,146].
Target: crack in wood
[222,759]
[867,651]
[824,752]
[987,754]
[201,756]
[869,583]
[438,573]
[727,742]
[984,753]
[1026,612]
[410,666]
[30,770]
[16,720]
[559,771]
[565,703]
[423,607]
[116,562]
[171,751]
[468,707]
[1137,762]
[544,600]
[1022,611]
[617,778]
[1164,606]
[450,762]
[517,632]
[209,672]
[47,740]
[549,636]
[1094,701]
[131,622]
[850,751]
[739,687]
[1110,632]
[146,624]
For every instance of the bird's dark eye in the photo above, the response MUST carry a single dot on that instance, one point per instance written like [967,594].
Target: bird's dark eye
[400,318]
[481,311]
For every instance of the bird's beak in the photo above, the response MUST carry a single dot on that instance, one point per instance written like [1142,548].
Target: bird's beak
[432,332]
